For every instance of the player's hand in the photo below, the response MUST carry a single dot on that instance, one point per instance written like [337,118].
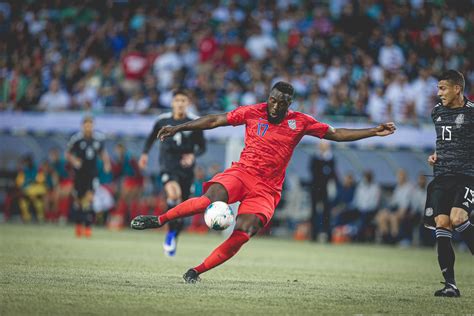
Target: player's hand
[385,129]
[165,132]
[76,163]
[432,159]
[187,160]
[143,161]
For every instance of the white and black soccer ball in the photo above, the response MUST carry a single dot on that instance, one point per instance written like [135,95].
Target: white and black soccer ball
[219,216]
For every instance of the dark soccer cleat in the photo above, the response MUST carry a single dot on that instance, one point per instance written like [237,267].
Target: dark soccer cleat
[449,290]
[191,276]
[144,222]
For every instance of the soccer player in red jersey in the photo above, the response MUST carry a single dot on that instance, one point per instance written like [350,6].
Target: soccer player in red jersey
[272,133]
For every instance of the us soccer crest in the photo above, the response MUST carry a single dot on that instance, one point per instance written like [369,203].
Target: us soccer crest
[459,120]
[292,124]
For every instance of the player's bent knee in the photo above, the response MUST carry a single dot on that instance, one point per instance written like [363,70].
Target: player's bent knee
[248,223]
[217,192]
[172,190]
[458,216]
[443,221]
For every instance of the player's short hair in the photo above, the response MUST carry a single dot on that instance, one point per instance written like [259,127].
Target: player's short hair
[87,119]
[181,92]
[453,77]
[284,87]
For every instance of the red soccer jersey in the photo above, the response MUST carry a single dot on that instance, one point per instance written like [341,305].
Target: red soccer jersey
[268,147]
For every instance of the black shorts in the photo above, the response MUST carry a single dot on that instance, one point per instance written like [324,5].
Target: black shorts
[446,192]
[84,183]
[184,179]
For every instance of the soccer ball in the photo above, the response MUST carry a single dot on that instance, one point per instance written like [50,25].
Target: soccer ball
[219,216]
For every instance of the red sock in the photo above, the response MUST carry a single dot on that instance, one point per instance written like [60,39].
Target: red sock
[224,252]
[187,208]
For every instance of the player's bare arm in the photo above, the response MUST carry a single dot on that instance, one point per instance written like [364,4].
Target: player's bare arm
[345,134]
[73,160]
[432,159]
[143,161]
[206,122]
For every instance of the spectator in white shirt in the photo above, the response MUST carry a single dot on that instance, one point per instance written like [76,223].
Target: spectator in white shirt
[398,97]
[166,65]
[365,204]
[138,103]
[424,93]
[377,106]
[258,45]
[388,219]
[390,55]
[54,99]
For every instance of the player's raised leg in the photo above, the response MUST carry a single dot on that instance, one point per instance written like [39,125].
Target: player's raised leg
[247,226]
[192,206]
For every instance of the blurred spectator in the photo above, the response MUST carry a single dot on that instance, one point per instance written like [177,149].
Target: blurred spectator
[424,93]
[134,66]
[55,99]
[166,65]
[235,52]
[389,218]
[391,55]
[365,206]
[344,197]
[14,86]
[411,225]
[34,188]
[260,44]
[137,103]
[377,106]
[207,45]
[29,101]
[397,96]
[322,169]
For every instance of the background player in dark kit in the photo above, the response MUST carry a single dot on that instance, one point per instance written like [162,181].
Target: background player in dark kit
[82,152]
[177,156]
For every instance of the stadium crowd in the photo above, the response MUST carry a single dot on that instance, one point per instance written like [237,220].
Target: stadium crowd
[372,59]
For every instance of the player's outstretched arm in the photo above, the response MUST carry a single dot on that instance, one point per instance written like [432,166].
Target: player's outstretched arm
[206,122]
[346,135]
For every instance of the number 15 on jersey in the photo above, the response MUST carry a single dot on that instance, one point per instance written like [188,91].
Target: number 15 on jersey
[446,134]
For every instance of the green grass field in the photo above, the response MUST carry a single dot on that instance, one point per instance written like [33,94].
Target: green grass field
[45,270]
